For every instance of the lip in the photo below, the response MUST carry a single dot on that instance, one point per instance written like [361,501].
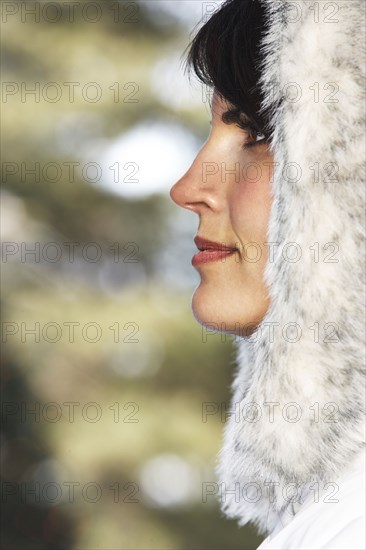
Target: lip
[211,251]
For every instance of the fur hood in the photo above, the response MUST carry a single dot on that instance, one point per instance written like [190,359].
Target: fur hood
[297,414]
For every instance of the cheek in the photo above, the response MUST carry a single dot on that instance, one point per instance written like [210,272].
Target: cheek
[250,203]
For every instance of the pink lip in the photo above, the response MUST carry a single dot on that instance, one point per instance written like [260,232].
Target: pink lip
[210,251]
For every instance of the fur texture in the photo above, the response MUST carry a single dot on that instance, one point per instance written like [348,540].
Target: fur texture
[305,381]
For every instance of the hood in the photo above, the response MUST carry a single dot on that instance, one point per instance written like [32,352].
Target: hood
[298,405]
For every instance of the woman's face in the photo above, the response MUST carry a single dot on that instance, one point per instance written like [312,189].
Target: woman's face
[230,189]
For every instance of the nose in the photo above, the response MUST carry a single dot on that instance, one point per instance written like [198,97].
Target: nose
[183,192]
[191,192]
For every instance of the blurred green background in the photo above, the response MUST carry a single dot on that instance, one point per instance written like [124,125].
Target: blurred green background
[106,376]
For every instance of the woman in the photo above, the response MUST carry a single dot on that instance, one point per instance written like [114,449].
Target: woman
[279,191]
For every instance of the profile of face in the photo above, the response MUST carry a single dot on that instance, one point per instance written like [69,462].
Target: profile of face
[229,186]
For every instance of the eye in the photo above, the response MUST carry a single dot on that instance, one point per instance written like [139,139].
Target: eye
[260,138]
[254,136]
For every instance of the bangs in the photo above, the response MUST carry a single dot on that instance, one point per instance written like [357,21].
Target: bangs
[225,56]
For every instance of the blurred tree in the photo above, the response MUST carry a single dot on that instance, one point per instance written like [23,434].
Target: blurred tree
[172,370]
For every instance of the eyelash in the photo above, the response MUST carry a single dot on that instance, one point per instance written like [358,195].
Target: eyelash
[248,129]
[248,145]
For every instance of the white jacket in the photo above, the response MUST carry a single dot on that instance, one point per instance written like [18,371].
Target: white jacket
[298,401]
[332,519]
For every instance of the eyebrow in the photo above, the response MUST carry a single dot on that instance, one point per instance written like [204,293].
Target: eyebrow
[233,116]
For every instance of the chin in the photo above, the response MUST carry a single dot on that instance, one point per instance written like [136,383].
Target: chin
[219,314]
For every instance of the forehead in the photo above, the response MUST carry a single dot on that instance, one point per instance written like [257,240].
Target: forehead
[218,105]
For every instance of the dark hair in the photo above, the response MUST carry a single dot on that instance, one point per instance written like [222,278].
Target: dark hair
[225,56]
